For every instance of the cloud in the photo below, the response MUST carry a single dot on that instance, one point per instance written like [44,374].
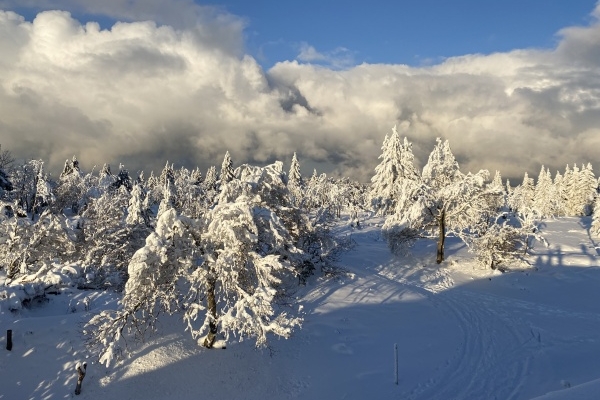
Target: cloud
[144,92]
[209,24]
[339,58]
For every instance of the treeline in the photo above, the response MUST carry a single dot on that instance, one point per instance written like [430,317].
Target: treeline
[225,248]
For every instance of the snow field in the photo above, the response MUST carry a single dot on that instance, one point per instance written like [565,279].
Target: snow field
[462,333]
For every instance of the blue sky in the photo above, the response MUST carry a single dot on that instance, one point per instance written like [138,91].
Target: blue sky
[407,32]
[513,85]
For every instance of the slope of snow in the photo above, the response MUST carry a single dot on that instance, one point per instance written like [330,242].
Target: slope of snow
[461,333]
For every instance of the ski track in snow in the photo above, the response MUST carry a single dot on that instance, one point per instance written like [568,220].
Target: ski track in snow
[479,354]
[482,368]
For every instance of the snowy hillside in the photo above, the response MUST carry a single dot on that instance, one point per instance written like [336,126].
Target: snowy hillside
[461,333]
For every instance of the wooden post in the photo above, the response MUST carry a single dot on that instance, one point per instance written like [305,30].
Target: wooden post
[9,339]
[396,362]
[81,374]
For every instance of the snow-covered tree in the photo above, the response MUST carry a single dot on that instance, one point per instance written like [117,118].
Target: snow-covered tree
[295,182]
[445,201]
[595,229]
[295,176]
[210,181]
[226,169]
[498,202]
[23,179]
[32,246]
[396,166]
[190,198]
[544,202]
[499,246]
[234,290]
[5,183]
[138,212]
[71,187]
[150,290]
[209,186]
[110,241]
[123,179]
[227,269]
[44,195]
[105,178]
[521,197]
[585,191]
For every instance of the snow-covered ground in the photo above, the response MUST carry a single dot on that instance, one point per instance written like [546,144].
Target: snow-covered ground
[461,333]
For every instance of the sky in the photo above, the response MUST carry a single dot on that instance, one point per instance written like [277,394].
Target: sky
[512,85]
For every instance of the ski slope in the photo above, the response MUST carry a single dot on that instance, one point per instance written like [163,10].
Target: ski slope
[461,333]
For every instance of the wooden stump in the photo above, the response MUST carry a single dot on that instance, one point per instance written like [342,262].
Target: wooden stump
[81,374]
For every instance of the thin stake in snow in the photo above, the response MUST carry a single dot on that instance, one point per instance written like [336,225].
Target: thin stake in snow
[81,374]
[396,362]
[9,339]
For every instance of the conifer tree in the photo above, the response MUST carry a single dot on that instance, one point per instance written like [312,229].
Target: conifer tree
[396,167]
[295,182]
[295,177]
[496,186]
[123,179]
[521,198]
[105,178]
[445,200]
[544,195]
[226,175]
[43,195]
[71,187]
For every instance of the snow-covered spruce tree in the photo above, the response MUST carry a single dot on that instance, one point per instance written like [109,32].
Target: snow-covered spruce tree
[559,203]
[137,209]
[498,202]
[294,176]
[210,186]
[210,181]
[397,165]
[123,179]
[70,188]
[445,201]
[544,197]
[521,197]
[226,170]
[44,196]
[585,191]
[317,192]
[189,199]
[105,178]
[295,182]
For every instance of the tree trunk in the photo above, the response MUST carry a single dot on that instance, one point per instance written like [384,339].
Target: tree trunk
[209,340]
[441,238]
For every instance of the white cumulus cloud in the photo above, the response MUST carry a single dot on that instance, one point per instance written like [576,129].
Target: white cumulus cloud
[146,91]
